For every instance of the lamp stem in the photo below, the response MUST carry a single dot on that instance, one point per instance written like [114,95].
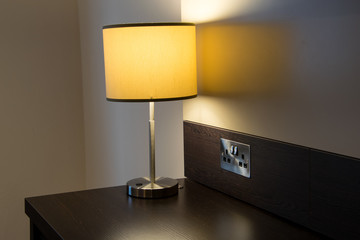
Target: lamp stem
[152,142]
[153,187]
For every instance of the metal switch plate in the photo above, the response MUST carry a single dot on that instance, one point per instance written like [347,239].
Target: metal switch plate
[235,157]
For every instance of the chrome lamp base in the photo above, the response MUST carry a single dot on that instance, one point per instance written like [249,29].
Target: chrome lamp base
[143,188]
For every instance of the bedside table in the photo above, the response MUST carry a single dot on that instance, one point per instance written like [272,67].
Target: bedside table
[197,212]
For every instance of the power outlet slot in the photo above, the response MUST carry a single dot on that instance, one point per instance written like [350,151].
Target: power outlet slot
[235,157]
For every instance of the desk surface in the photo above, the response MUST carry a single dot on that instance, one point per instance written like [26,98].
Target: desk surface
[197,213]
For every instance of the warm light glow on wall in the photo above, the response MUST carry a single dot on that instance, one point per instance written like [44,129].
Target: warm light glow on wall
[205,109]
[200,11]
[278,69]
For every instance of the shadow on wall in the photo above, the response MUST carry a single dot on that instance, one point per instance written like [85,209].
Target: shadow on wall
[238,60]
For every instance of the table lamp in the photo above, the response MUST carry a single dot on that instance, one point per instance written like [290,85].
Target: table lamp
[150,62]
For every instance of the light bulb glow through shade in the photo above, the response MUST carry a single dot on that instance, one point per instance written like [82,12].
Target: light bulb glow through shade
[150,62]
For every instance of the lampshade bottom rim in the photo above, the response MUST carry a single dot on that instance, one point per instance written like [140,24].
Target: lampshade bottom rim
[112,99]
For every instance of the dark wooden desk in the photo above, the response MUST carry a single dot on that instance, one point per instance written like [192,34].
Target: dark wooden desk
[196,213]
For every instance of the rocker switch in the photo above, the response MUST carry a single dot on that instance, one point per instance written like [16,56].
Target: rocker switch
[236,152]
[232,149]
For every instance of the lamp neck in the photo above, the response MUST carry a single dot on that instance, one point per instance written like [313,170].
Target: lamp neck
[152,141]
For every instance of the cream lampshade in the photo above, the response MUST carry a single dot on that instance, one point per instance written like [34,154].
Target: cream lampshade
[150,62]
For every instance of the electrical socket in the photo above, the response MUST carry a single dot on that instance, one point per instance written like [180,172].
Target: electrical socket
[235,157]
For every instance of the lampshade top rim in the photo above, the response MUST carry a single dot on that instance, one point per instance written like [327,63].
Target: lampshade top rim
[148,24]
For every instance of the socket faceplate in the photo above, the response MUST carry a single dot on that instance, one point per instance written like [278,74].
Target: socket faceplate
[235,157]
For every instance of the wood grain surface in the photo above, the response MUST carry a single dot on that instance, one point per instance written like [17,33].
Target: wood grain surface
[197,213]
[279,180]
[335,195]
[317,189]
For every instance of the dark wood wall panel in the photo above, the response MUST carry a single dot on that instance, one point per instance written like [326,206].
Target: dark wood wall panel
[279,180]
[335,195]
[316,189]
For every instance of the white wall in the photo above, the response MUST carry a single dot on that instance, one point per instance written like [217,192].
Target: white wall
[41,123]
[116,134]
[286,70]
